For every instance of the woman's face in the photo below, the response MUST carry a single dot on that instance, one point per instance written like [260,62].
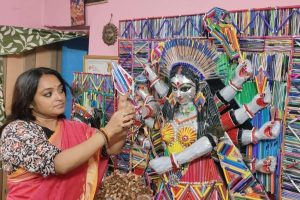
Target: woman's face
[49,99]
[183,89]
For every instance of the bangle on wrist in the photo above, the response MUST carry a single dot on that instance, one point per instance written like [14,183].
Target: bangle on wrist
[211,140]
[154,81]
[104,133]
[252,165]
[175,165]
[104,153]
[249,113]
[253,139]
[235,87]
[105,140]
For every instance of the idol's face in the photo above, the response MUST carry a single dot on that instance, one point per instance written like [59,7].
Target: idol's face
[183,89]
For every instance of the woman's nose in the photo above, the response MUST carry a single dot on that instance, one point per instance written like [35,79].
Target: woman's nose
[59,95]
[177,93]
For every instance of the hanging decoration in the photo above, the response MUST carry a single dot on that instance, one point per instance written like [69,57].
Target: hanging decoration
[77,12]
[110,33]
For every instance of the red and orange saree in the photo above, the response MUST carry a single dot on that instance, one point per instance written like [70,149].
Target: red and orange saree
[81,183]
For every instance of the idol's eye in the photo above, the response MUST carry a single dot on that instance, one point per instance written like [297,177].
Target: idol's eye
[174,88]
[185,89]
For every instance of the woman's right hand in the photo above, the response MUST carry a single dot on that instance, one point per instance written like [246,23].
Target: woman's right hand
[120,121]
[124,102]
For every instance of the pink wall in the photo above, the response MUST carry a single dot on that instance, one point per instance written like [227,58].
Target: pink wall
[26,13]
[41,13]
[99,15]
[57,13]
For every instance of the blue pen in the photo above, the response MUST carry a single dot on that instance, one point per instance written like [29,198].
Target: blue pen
[117,81]
[234,163]
[233,183]
[240,186]
[226,147]
[119,77]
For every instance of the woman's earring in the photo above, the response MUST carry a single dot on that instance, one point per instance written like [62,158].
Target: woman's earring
[30,106]
[172,99]
[199,100]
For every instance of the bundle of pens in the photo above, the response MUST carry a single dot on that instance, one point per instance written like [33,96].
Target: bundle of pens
[291,159]
[121,186]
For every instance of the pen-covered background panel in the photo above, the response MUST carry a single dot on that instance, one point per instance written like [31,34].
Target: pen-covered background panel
[268,38]
[93,98]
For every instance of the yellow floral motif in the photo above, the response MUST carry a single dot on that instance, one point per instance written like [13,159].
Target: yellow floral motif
[175,147]
[167,133]
[186,136]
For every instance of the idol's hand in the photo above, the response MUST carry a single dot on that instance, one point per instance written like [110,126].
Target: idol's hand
[160,87]
[161,165]
[150,74]
[270,130]
[260,101]
[243,72]
[266,165]
[144,142]
[164,164]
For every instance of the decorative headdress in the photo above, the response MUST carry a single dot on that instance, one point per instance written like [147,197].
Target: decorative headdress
[198,55]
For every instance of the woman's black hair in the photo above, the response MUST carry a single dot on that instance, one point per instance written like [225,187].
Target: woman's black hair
[24,92]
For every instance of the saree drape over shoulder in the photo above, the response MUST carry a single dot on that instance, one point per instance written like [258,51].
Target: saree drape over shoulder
[80,183]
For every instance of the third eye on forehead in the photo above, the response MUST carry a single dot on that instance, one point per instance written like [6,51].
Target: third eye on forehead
[179,80]
[182,86]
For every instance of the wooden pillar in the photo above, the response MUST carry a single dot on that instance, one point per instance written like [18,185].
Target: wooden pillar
[2,184]
[2,175]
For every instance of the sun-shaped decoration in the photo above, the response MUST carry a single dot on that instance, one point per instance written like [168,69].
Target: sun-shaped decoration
[186,136]
[110,34]
[167,133]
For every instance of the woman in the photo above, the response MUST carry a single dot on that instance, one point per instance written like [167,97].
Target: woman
[192,124]
[47,156]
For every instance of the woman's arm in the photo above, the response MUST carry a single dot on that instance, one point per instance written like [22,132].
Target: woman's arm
[115,130]
[71,158]
[117,143]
